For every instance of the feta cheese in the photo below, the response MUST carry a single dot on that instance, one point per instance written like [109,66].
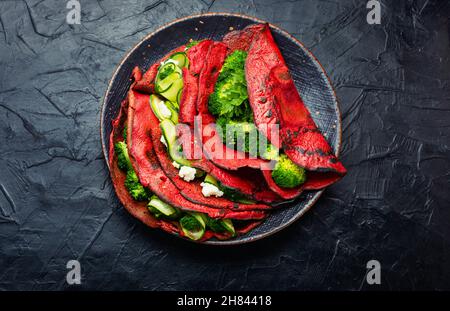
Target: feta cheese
[210,190]
[187,173]
[165,112]
[176,165]
[163,140]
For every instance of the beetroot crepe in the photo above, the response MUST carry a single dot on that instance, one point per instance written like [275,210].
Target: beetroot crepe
[219,187]
[275,100]
[149,171]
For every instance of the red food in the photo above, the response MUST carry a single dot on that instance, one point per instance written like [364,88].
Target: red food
[241,39]
[139,209]
[208,77]
[146,165]
[197,56]
[135,208]
[246,182]
[188,100]
[146,82]
[275,100]
[190,190]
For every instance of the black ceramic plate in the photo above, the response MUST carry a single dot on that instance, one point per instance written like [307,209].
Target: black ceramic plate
[309,76]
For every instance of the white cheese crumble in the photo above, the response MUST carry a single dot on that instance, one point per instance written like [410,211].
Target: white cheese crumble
[163,140]
[187,173]
[165,112]
[210,190]
[176,165]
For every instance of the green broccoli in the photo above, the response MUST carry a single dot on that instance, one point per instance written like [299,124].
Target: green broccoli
[134,187]
[287,174]
[230,97]
[123,160]
[230,131]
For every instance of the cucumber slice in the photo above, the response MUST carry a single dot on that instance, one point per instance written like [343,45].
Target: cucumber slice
[221,225]
[160,109]
[165,84]
[180,92]
[211,180]
[170,135]
[180,59]
[176,84]
[173,110]
[162,209]
[193,225]
[228,225]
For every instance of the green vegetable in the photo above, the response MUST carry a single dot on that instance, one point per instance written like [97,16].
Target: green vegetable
[229,193]
[161,209]
[287,174]
[211,180]
[221,225]
[165,70]
[134,187]
[193,225]
[230,97]
[123,160]
[168,129]
[169,86]
[235,195]
[232,131]
[180,59]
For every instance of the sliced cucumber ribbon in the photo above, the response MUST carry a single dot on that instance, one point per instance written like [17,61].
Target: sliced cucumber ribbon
[169,79]
[180,59]
[161,209]
[193,225]
[168,129]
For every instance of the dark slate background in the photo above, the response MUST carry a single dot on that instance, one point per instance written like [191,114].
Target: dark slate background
[56,198]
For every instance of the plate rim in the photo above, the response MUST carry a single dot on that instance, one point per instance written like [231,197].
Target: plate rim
[316,196]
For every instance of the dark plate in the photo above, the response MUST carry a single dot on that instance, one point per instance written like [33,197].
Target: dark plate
[309,76]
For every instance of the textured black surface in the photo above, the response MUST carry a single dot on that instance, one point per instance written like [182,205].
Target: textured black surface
[317,94]
[57,203]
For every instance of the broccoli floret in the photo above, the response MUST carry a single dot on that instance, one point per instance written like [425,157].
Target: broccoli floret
[134,187]
[230,97]
[287,174]
[123,160]
[230,131]
[271,152]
